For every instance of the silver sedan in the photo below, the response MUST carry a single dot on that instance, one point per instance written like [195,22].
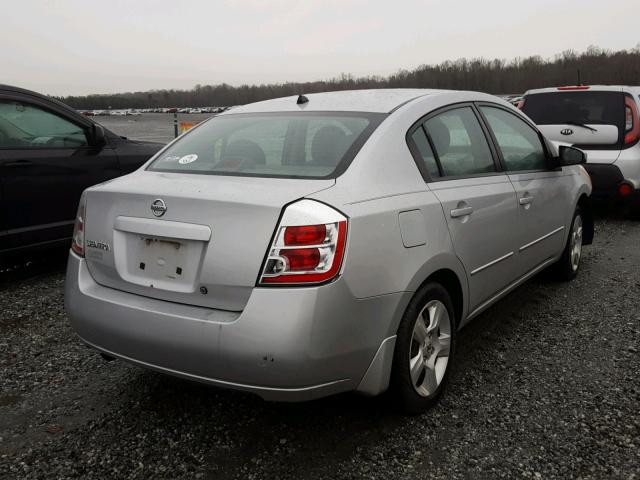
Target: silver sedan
[310,245]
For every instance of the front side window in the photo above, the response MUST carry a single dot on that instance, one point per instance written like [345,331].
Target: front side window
[460,143]
[519,144]
[290,145]
[23,125]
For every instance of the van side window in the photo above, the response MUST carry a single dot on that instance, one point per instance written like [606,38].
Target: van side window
[426,154]
[519,144]
[460,143]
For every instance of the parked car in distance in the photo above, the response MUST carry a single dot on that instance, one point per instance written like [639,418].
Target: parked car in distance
[49,153]
[601,120]
[305,246]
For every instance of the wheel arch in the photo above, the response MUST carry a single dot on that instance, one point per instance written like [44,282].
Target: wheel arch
[447,270]
[452,278]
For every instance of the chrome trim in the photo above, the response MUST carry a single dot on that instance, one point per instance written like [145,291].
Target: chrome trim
[531,244]
[41,226]
[491,263]
[508,288]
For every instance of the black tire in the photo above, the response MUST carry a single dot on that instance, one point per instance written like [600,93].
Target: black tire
[402,390]
[565,268]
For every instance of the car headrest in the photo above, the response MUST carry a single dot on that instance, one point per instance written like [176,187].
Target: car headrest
[245,151]
[439,135]
[328,146]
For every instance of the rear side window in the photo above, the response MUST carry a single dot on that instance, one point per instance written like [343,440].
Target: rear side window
[519,143]
[426,154]
[290,145]
[460,143]
[585,107]
[23,125]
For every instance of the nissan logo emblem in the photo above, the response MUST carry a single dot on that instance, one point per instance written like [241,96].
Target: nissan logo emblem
[158,207]
[566,131]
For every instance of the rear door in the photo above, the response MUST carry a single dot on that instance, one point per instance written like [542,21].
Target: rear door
[479,202]
[46,161]
[543,194]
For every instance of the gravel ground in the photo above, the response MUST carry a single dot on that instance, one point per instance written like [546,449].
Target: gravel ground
[546,386]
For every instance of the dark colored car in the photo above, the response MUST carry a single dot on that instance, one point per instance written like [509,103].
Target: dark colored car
[49,154]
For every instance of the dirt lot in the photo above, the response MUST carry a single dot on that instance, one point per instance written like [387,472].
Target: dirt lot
[546,386]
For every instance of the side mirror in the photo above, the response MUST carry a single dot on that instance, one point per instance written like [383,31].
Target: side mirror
[570,156]
[99,139]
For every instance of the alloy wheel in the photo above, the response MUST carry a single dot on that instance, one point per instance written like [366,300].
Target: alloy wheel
[430,348]
[576,243]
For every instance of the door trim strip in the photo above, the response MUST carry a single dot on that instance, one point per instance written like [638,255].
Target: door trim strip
[41,226]
[487,303]
[491,263]
[531,244]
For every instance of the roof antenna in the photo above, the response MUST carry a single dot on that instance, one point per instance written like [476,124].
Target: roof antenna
[302,100]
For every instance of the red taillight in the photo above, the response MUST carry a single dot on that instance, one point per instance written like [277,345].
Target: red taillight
[77,242]
[305,235]
[302,259]
[632,122]
[575,87]
[624,189]
[306,254]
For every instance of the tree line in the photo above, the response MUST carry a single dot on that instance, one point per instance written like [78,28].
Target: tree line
[594,66]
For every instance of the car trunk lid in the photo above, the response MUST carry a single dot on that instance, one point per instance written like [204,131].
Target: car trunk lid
[203,242]
[592,120]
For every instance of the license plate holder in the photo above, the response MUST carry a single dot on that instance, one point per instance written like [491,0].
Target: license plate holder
[161,258]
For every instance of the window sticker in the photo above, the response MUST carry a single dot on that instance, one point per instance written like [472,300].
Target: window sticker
[188,159]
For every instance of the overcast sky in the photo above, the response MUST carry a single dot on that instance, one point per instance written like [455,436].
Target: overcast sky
[63,47]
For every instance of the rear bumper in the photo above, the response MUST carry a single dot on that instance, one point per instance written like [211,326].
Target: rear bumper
[606,179]
[287,344]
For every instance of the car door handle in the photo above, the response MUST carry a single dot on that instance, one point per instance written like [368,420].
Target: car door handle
[18,163]
[461,212]
[526,200]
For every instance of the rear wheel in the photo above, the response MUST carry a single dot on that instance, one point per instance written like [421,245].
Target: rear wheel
[569,264]
[424,349]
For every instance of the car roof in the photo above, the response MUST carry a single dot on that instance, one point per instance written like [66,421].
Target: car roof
[24,91]
[584,88]
[383,100]
[11,88]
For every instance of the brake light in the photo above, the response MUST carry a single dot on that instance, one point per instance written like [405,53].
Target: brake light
[624,189]
[77,242]
[631,121]
[308,247]
[305,235]
[575,87]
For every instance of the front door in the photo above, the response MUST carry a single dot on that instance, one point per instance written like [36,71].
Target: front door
[46,161]
[540,191]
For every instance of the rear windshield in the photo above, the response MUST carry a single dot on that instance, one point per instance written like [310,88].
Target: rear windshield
[558,108]
[290,145]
